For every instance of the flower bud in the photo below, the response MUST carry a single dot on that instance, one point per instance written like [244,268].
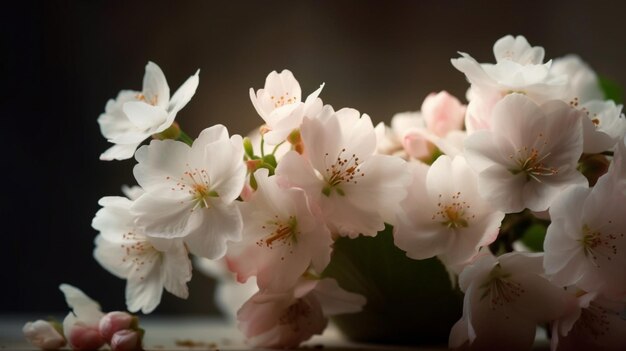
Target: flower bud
[44,335]
[82,337]
[126,340]
[443,113]
[115,321]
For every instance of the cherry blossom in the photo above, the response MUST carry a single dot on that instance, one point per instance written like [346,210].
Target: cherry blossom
[148,264]
[282,237]
[127,340]
[416,134]
[44,334]
[585,244]
[519,69]
[81,325]
[134,116]
[582,82]
[530,154]
[595,325]
[279,104]
[505,299]
[357,190]
[604,126]
[229,294]
[444,215]
[286,319]
[190,191]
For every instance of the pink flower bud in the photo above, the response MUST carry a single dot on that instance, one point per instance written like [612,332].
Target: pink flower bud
[126,340]
[417,146]
[443,113]
[114,321]
[82,337]
[44,335]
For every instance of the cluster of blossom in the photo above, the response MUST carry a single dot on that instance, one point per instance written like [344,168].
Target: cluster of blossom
[86,327]
[269,206]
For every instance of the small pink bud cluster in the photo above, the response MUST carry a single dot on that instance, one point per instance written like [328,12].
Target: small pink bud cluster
[118,329]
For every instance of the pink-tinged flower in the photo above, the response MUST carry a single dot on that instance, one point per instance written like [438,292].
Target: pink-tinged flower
[134,116]
[282,237]
[126,340]
[81,325]
[357,190]
[582,82]
[280,105]
[286,319]
[595,325]
[416,134]
[530,154]
[505,299]
[442,113]
[604,126]
[190,191]
[585,244]
[113,322]
[444,215]
[44,335]
[148,264]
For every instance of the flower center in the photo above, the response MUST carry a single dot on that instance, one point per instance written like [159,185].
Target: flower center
[596,244]
[142,97]
[281,232]
[531,162]
[283,100]
[342,170]
[196,183]
[500,289]
[300,309]
[453,214]
[594,320]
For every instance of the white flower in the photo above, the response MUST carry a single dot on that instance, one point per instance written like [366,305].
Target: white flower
[582,82]
[585,244]
[529,156]
[285,319]
[519,69]
[282,237]
[357,190]
[229,294]
[44,335]
[505,299]
[604,127]
[148,264]
[444,215]
[81,326]
[595,325]
[190,191]
[134,116]
[281,107]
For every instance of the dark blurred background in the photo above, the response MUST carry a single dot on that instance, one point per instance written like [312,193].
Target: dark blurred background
[62,60]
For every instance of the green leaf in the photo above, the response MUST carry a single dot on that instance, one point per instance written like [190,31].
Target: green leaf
[408,301]
[534,236]
[611,90]
[270,159]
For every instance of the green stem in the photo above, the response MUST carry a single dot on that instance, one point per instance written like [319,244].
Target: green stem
[185,138]
[276,147]
[262,146]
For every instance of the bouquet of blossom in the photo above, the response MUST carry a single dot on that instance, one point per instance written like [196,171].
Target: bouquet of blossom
[520,195]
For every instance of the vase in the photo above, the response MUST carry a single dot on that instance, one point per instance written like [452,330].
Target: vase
[409,302]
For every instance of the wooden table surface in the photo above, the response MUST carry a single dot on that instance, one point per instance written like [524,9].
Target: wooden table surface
[195,333]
